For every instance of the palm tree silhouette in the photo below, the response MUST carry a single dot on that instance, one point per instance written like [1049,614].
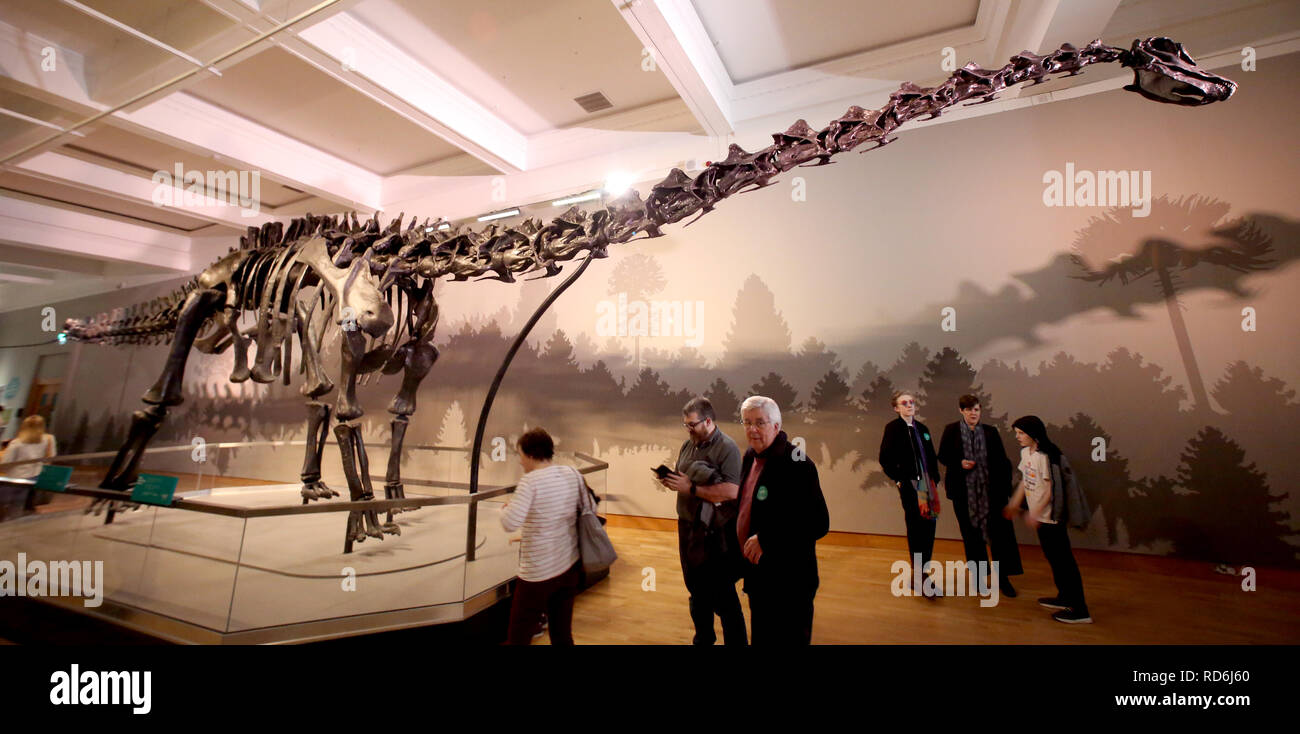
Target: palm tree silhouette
[1171,240]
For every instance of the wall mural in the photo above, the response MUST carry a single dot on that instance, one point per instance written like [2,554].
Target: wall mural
[619,397]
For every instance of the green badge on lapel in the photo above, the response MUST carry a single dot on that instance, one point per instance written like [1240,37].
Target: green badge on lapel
[927,437]
[761,494]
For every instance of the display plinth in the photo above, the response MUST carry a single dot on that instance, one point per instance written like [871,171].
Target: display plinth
[230,563]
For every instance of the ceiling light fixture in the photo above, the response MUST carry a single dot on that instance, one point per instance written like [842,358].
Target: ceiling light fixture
[498,215]
[618,182]
[577,198]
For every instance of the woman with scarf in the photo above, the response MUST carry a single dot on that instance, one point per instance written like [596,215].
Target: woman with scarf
[979,478]
[1053,501]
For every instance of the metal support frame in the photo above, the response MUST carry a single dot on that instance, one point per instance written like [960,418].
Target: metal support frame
[492,393]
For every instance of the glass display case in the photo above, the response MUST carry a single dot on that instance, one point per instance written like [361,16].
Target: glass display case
[239,557]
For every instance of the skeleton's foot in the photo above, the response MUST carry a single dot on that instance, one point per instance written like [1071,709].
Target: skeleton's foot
[317,491]
[375,530]
[240,374]
[355,532]
[396,492]
[98,506]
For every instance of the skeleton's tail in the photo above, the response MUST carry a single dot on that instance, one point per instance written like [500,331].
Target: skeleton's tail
[143,323]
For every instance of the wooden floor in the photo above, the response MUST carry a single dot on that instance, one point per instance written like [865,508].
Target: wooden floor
[1133,599]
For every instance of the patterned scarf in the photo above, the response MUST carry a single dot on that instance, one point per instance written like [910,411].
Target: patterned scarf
[927,493]
[977,479]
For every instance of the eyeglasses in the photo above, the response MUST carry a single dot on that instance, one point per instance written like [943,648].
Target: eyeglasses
[760,423]
[692,424]
[906,402]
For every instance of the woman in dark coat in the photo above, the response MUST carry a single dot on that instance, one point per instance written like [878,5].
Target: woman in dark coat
[978,482]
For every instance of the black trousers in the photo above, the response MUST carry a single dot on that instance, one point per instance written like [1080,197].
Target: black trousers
[920,531]
[1002,535]
[1055,540]
[712,586]
[780,617]
[554,596]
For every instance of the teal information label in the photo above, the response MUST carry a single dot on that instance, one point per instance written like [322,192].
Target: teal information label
[154,489]
[53,478]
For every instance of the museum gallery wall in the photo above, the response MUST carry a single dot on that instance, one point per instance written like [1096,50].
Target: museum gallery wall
[1155,337]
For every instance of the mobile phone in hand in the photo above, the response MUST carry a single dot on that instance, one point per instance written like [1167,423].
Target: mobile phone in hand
[663,471]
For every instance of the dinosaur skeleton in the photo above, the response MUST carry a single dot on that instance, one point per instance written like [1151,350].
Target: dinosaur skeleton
[376,284]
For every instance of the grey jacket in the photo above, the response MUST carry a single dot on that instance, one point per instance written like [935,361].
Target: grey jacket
[1071,505]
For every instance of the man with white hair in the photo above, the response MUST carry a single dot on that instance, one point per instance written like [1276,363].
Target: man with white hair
[782,516]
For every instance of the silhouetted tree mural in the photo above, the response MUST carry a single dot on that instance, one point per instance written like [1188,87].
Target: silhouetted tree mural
[725,403]
[584,349]
[877,410]
[810,364]
[1165,243]
[862,380]
[1260,411]
[1107,483]
[906,372]
[557,355]
[616,355]
[688,369]
[639,276]
[600,386]
[453,431]
[651,397]
[877,400]
[946,378]
[835,419]
[776,388]
[1228,517]
[759,339]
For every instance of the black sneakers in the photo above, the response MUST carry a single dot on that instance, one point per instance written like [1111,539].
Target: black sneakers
[1070,616]
[1052,602]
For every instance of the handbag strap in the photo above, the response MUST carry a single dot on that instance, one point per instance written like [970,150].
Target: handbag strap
[582,490]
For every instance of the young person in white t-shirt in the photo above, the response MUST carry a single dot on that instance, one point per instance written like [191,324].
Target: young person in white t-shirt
[1038,457]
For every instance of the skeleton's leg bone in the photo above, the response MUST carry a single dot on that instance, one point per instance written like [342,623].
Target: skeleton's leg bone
[393,479]
[315,383]
[318,420]
[354,345]
[419,361]
[123,472]
[229,320]
[270,335]
[355,533]
[373,528]
[165,392]
[198,307]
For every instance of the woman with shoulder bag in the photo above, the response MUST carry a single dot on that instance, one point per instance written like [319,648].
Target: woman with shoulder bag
[545,505]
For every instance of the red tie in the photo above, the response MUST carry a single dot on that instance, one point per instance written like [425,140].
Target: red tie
[747,499]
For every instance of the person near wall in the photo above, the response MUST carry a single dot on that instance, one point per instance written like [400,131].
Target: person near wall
[978,483]
[545,505]
[907,457]
[782,516]
[32,442]
[707,482]
[1053,502]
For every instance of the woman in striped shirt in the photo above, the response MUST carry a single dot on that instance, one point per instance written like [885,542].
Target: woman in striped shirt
[545,505]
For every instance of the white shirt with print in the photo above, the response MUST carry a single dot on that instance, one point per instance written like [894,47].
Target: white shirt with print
[1038,483]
